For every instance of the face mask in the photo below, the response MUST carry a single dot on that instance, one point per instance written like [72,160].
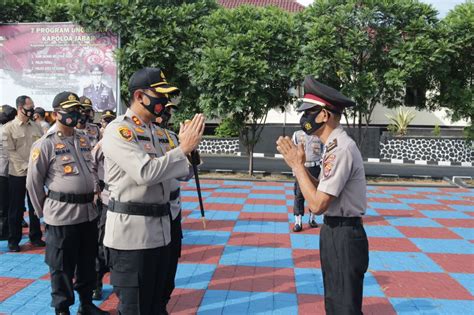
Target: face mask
[70,119]
[165,118]
[28,112]
[108,120]
[308,123]
[156,106]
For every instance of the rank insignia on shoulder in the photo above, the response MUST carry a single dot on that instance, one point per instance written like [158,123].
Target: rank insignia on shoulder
[139,130]
[67,169]
[332,145]
[35,154]
[59,146]
[136,121]
[125,133]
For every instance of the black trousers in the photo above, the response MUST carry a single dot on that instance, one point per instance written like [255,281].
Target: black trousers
[298,208]
[3,207]
[17,193]
[100,264]
[175,254]
[138,277]
[71,251]
[344,254]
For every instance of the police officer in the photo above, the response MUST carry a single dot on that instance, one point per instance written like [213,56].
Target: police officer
[168,141]
[139,172]
[106,117]
[61,160]
[312,146]
[85,122]
[40,118]
[7,114]
[18,138]
[340,194]
[98,92]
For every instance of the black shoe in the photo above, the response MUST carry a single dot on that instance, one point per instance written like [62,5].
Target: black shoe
[97,294]
[64,312]
[24,224]
[90,309]
[38,243]
[297,228]
[313,224]
[14,248]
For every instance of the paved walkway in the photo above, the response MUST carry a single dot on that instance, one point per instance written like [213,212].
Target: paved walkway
[248,262]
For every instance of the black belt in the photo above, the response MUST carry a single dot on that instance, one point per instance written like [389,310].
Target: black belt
[174,194]
[148,210]
[342,221]
[71,198]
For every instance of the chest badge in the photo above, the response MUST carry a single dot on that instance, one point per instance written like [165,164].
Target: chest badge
[125,133]
[59,146]
[67,169]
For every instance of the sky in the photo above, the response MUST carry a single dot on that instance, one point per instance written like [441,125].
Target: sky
[443,6]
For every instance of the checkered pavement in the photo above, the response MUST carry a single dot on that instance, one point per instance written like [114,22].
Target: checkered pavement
[248,261]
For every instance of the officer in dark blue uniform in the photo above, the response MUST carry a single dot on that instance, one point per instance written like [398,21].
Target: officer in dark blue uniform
[100,94]
[339,193]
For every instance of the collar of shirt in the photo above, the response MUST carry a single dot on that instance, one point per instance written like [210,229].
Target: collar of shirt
[19,122]
[336,132]
[136,119]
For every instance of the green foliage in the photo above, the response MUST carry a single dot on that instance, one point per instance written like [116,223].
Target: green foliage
[228,128]
[436,131]
[400,120]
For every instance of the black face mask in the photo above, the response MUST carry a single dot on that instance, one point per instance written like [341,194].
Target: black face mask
[308,122]
[83,118]
[156,106]
[108,119]
[165,118]
[28,112]
[70,119]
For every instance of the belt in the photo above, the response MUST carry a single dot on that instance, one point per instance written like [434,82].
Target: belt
[144,209]
[71,198]
[342,221]
[310,164]
[174,194]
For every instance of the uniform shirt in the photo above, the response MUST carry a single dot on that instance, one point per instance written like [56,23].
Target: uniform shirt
[44,126]
[138,170]
[312,145]
[62,164]
[98,167]
[343,176]
[18,138]
[93,133]
[3,156]
[168,141]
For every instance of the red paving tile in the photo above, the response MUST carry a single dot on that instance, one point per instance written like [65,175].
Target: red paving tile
[260,239]
[442,207]
[263,216]
[228,195]
[375,220]
[409,196]
[223,206]
[400,213]
[214,225]
[392,244]
[110,304]
[310,304]
[428,232]
[455,263]
[201,254]
[269,184]
[377,306]
[266,192]
[387,200]
[465,223]
[10,286]
[261,201]
[306,258]
[185,301]
[189,199]
[421,285]
[253,279]
[457,202]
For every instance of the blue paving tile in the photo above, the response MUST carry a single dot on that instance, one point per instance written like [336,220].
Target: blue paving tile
[431,306]
[443,197]
[189,205]
[309,281]
[205,237]
[193,193]
[444,246]
[389,205]
[424,189]
[238,183]
[466,233]
[212,302]
[216,215]
[377,195]
[275,188]
[420,201]
[399,192]
[290,202]
[233,190]
[438,214]
[467,208]
[304,241]
[194,276]
[267,196]
[264,208]
[261,227]
[417,222]
[382,231]
[239,201]
[24,266]
[466,280]
[4,244]
[371,212]
[402,261]
[372,287]
[257,256]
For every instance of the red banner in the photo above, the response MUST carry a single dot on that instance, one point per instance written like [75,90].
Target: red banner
[42,59]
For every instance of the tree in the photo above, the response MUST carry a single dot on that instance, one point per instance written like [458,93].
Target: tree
[456,72]
[372,51]
[244,67]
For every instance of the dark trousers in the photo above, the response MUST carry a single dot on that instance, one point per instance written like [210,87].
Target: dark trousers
[17,192]
[344,254]
[175,253]
[298,208]
[71,251]
[100,264]
[3,207]
[138,277]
